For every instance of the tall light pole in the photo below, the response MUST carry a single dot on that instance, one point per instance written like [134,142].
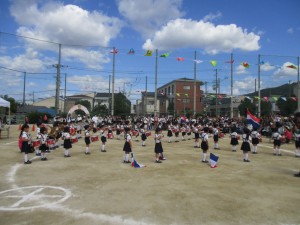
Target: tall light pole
[24,88]
[113,83]
[57,81]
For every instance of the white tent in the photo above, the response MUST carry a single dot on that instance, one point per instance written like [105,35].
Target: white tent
[6,104]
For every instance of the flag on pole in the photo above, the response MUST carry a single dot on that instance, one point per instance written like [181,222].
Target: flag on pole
[251,119]
[292,66]
[213,160]
[134,163]
[165,55]
[114,51]
[245,64]
[180,59]
[131,51]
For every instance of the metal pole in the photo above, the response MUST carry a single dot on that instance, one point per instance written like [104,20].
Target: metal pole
[195,85]
[58,81]
[145,98]
[155,88]
[231,92]
[216,92]
[109,97]
[113,85]
[298,91]
[258,86]
[24,88]
[65,106]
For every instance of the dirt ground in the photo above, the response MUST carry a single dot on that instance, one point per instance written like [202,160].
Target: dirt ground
[101,189]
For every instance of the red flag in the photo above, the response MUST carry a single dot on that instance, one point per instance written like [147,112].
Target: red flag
[180,59]
[114,51]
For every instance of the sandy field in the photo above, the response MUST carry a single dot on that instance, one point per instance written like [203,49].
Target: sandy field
[100,189]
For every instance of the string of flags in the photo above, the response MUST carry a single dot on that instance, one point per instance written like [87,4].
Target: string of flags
[266,99]
[214,63]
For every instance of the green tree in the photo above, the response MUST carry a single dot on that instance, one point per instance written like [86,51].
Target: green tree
[85,103]
[246,104]
[13,103]
[100,110]
[287,107]
[122,105]
[265,108]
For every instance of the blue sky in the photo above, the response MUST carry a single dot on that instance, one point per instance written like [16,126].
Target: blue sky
[88,29]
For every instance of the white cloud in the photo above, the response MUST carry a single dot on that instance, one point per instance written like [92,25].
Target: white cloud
[290,30]
[212,16]
[284,71]
[147,16]
[181,33]
[66,24]
[244,86]
[240,69]
[267,67]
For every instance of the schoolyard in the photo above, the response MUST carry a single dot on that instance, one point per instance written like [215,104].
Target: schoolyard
[101,189]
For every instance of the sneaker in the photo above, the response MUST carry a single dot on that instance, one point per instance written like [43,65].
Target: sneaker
[204,161]
[274,153]
[279,154]
[126,161]
[162,158]
[297,174]
[38,154]
[87,153]
[66,156]
[44,159]
[103,150]
[157,161]
[246,160]
[27,162]
[233,150]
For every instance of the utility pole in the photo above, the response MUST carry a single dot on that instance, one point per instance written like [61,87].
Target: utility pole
[155,88]
[65,98]
[109,95]
[259,110]
[33,97]
[113,83]
[145,98]
[298,91]
[216,92]
[57,80]
[231,91]
[24,89]
[195,84]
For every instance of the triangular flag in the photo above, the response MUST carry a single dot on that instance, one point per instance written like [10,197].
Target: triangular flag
[180,59]
[114,51]
[187,95]
[275,98]
[213,160]
[245,64]
[220,96]
[213,63]
[198,61]
[266,98]
[292,66]
[294,99]
[178,94]
[262,63]
[131,51]
[247,97]
[165,55]
[283,98]
[148,53]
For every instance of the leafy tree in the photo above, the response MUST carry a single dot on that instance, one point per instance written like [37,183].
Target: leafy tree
[13,103]
[265,108]
[287,107]
[85,103]
[246,103]
[100,110]
[122,105]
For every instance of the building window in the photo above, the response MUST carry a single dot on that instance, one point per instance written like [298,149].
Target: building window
[186,87]
[186,100]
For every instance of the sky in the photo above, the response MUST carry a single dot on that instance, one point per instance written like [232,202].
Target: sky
[192,32]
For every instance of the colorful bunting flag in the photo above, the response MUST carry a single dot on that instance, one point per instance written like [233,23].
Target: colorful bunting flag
[275,98]
[187,95]
[178,94]
[220,96]
[114,51]
[266,98]
[294,99]
[247,97]
[148,53]
[283,98]
[245,64]
[131,51]
[198,61]
[213,63]
[165,55]
[180,59]
[292,66]
[213,160]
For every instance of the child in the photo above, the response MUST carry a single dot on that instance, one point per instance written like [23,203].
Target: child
[176,131]
[170,134]
[296,131]
[103,139]
[25,143]
[234,139]
[197,136]
[246,145]
[204,144]
[216,136]
[87,139]
[158,149]
[43,136]
[118,132]
[67,141]
[127,145]
[254,135]
[143,137]
[183,132]
[277,142]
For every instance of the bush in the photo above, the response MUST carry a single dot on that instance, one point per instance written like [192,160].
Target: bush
[35,117]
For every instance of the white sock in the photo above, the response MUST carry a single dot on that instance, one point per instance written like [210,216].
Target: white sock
[25,157]
[204,156]
[143,142]
[126,157]
[86,149]
[274,150]
[169,139]
[66,152]
[198,144]
[246,156]
[279,151]
[103,147]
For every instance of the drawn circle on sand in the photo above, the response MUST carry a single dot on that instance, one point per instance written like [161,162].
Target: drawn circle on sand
[32,197]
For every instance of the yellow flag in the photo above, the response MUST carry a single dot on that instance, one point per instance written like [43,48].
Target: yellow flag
[213,63]
[148,53]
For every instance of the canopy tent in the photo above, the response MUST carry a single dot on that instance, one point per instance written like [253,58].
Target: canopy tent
[4,103]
